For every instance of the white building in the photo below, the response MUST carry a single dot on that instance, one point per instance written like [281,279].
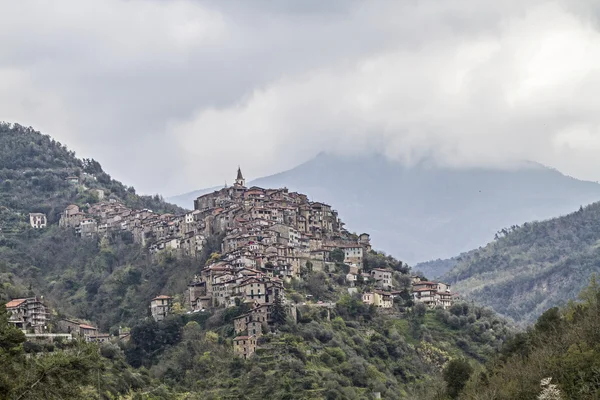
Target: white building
[38,220]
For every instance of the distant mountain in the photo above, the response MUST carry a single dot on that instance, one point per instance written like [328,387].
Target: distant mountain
[531,268]
[422,212]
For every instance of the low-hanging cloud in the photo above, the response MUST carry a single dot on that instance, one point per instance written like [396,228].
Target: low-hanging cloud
[172,96]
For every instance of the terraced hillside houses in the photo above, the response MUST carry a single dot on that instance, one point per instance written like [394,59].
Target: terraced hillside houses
[181,234]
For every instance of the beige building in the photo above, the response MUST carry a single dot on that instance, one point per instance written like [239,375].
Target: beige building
[382,277]
[432,294]
[244,346]
[378,298]
[160,307]
[37,220]
[248,323]
[353,255]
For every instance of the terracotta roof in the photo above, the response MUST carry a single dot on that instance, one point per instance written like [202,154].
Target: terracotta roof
[162,297]
[14,303]
[83,326]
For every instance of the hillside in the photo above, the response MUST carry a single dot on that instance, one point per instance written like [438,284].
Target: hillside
[348,350]
[33,178]
[425,213]
[558,358]
[87,278]
[351,355]
[531,268]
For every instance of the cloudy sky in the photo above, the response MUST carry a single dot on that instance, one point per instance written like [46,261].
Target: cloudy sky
[171,95]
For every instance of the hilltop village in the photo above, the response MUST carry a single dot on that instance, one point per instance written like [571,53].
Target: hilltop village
[268,236]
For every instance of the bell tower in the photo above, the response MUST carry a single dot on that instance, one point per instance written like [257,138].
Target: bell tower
[240,181]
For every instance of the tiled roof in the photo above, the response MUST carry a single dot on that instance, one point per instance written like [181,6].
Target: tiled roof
[162,297]
[14,303]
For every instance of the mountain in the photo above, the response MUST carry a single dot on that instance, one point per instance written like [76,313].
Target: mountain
[558,358]
[339,347]
[425,212]
[532,267]
[436,269]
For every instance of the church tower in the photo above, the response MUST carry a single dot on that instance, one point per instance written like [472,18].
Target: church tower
[240,181]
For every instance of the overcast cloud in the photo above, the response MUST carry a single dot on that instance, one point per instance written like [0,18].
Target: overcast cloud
[171,96]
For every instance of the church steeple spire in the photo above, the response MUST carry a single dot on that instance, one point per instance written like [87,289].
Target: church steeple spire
[240,181]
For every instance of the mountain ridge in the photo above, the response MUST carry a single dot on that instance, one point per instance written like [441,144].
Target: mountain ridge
[530,268]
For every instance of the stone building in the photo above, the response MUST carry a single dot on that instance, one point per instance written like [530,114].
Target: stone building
[244,346]
[29,314]
[160,307]
[37,220]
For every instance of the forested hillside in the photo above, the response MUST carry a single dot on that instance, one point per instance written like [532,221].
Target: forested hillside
[532,267]
[355,353]
[87,278]
[33,172]
[348,351]
[558,358]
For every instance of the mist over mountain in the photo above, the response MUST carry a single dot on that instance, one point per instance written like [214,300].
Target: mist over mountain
[425,212]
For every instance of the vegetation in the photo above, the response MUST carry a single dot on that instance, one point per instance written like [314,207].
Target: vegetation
[346,351]
[558,358]
[74,370]
[109,281]
[33,172]
[533,267]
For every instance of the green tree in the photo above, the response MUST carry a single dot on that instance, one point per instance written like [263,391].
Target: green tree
[56,375]
[337,255]
[10,337]
[456,375]
[278,314]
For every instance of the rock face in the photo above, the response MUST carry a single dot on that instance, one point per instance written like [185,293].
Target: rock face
[423,212]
